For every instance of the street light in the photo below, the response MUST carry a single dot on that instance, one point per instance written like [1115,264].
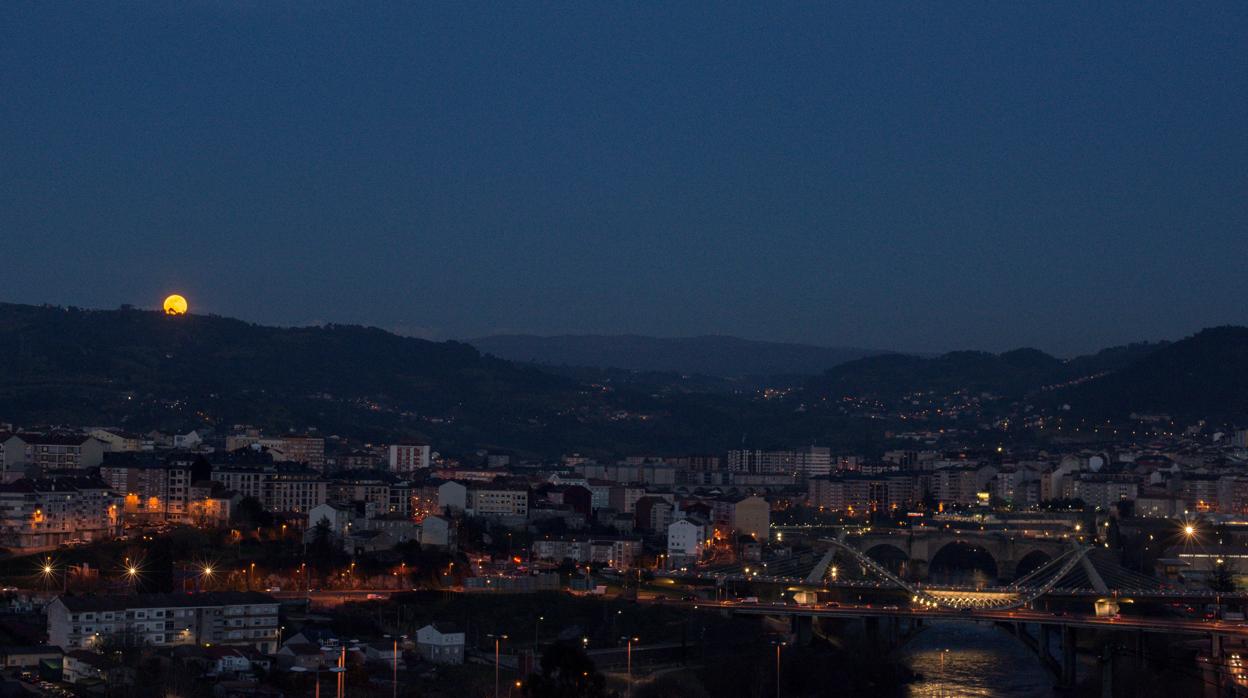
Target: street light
[778,644]
[395,679]
[47,570]
[536,626]
[630,641]
[497,639]
[304,670]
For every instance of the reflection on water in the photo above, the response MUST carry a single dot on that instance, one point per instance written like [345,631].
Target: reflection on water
[979,661]
[960,577]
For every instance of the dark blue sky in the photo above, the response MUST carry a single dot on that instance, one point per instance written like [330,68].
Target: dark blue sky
[919,176]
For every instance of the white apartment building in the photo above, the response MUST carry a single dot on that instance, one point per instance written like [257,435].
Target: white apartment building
[806,462]
[59,451]
[499,501]
[291,448]
[166,620]
[441,643]
[685,541]
[1104,493]
[408,456]
[279,488]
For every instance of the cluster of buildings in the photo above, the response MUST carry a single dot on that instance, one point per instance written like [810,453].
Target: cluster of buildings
[232,640]
[61,486]
[1160,480]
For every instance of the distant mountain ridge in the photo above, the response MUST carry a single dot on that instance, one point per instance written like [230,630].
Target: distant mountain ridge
[1010,374]
[1202,376]
[711,355]
[144,370]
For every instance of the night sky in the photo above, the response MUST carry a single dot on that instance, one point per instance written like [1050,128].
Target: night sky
[922,176]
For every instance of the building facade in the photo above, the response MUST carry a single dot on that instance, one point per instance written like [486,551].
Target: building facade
[166,620]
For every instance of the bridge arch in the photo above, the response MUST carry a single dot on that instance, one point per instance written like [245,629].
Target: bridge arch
[891,556]
[1031,560]
[963,562]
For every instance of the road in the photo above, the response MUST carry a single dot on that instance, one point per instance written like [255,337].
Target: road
[1145,623]
[335,597]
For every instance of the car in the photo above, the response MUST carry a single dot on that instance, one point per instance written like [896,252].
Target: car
[688,597]
[831,604]
[373,597]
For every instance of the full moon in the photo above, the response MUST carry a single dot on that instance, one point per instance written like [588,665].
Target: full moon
[175,305]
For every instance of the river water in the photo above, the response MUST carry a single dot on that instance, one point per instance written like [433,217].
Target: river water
[965,660]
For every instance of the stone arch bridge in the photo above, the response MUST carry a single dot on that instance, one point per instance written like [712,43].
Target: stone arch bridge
[919,547]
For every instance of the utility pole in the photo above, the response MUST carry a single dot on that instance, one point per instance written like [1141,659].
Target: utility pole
[498,638]
[629,644]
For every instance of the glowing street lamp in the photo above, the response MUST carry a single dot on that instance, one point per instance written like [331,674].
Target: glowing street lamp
[132,575]
[47,570]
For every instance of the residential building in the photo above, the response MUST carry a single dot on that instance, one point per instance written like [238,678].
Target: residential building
[653,513]
[84,665]
[806,462]
[117,441]
[437,531]
[623,498]
[44,513]
[38,453]
[441,643]
[305,449]
[408,456]
[747,516]
[1199,492]
[155,486]
[1102,491]
[859,495]
[166,620]
[280,488]
[686,539]
[452,496]
[28,657]
[499,501]
[618,552]
[338,517]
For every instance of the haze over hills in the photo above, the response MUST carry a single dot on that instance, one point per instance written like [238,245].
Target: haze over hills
[1012,374]
[143,370]
[710,355]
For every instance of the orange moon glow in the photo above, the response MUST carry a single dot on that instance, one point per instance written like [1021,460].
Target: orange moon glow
[175,305]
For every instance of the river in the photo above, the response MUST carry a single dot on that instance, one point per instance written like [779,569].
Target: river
[965,660]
